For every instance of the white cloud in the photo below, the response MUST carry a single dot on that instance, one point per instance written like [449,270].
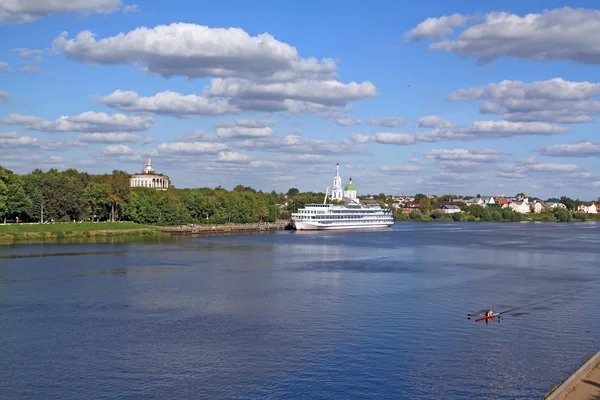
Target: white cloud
[232,157]
[385,138]
[168,103]
[297,145]
[399,170]
[301,95]
[559,34]
[433,121]
[12,140]
[531,167]
[115,137]
[241,131]
[4,96]
[187,148]
[4,67]
[475,155]
[133,8]
[85,122]
[347,121]
[492,129]
[436,28]
[246,123]
[388,122]
[30,69]
[466,94]
[196,51]
[25,52]
[553,100]
[581,149]
[23,11]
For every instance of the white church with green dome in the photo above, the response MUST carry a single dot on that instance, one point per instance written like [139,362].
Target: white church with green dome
[348,194]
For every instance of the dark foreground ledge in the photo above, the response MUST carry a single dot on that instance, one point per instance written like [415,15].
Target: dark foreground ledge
[583,384]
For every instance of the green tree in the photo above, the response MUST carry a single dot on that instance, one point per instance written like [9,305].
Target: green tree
[98,197]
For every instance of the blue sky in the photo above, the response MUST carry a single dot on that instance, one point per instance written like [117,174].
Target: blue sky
[439,97]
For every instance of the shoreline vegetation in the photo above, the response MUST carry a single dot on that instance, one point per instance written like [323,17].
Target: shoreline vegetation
[74,202]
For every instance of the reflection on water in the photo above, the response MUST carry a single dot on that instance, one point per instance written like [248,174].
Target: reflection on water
[334,315]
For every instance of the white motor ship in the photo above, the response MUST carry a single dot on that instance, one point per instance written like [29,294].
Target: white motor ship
[351,215]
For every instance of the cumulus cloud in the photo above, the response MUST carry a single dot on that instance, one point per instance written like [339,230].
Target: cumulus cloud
[12,140]
[580,149]
[232,157]
[113,137]
[388,122]
[347,121]
[301,95]
[553,100]
[196,51]
[246,123]
[436,28]
[23,11]
[251,73]
[232,96]
[492,129]
[241,131]
[4,96]
[385,138]
[475,155]
[168,103]
[4,67]
[433,121]
[297,145]
[85,122]
[559,34]
[120,153]
[531,167]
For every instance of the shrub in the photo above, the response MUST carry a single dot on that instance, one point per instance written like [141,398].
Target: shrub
[457,216]
[562,215]
[437,214]
[580,216]
[416,214]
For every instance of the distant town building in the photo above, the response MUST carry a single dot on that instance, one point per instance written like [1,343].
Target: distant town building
[149,178]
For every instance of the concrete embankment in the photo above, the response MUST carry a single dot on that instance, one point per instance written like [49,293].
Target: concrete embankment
[194,229]
[583,384]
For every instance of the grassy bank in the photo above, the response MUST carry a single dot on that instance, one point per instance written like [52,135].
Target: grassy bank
[47,232]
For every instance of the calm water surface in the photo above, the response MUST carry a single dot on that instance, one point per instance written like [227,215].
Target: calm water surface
[303,315]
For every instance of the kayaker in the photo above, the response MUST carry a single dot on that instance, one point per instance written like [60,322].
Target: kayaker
[489,313]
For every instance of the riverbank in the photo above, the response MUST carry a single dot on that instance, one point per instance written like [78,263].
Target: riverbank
[583,384]
[194,229]
[15,233]
[27,233]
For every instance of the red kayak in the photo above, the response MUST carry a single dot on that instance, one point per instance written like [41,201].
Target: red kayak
[486,318]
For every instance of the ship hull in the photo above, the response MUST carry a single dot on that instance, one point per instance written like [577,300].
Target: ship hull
[311,226]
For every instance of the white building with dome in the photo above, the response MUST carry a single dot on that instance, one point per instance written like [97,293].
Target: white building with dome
[149,178]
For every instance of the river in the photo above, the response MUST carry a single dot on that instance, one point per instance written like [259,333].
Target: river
[303,315]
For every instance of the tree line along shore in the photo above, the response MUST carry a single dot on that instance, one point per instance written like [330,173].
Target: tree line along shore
[74,200]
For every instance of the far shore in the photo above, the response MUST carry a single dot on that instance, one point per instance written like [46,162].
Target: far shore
[31,232]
